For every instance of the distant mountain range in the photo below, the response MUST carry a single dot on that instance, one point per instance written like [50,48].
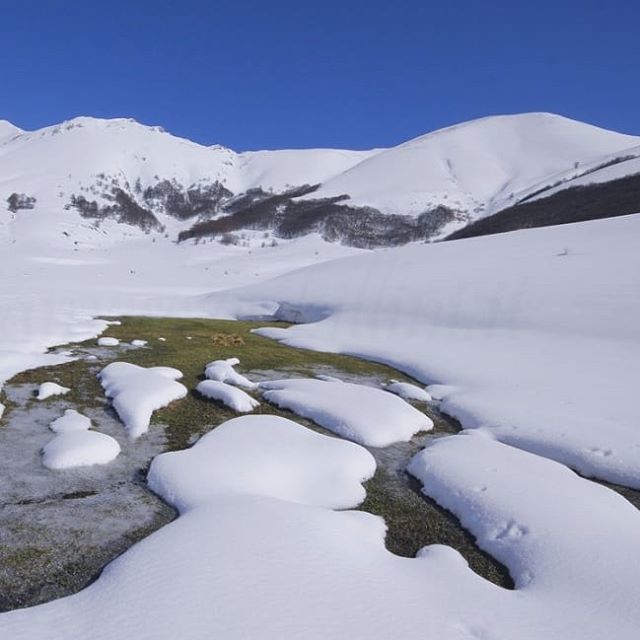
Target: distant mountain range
[89,180]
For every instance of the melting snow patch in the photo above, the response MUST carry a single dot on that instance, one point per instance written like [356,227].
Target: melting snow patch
[223,371]
[265,456]
[70,421]
[108,342]
[162,339]
[138,343]
[408,391]
[231,396]
[137,392]
[79,449]
[48,389]
[364,414]
[2,408]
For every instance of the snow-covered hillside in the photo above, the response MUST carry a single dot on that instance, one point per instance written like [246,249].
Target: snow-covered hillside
[476,167]
[533,340]
[526,329]
[102,181]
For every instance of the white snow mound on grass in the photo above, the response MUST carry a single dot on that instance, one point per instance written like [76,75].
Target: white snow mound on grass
[234,398]
[48,389]
[568,541]
[79,449]
[70,421]
[138,343]
[137,392]
[265,456]
[408,391]
[364,414]
[108,342]
[223,371]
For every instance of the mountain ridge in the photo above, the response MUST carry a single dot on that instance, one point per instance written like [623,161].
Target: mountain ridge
[152,182]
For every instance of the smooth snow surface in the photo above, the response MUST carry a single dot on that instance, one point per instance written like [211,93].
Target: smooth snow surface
[565,540]
[477,167]
[108,342]
[235,398]
[518,330]
[79,448]
[136,392]
[223,371]
[256,537]
[408,391]
[49,389]
[138,343]
[266,456]
[70,421]
[363,414]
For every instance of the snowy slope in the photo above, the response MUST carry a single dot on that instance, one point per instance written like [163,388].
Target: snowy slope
[8,130]
[86,156]
[474,166]
[528,328]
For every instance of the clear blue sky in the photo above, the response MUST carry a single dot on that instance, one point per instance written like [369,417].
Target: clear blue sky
[353,74]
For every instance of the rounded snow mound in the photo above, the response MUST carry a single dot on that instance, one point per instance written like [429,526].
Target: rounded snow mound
[79,449]
[264,456]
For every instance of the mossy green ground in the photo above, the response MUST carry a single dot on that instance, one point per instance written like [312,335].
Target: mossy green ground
[190,343]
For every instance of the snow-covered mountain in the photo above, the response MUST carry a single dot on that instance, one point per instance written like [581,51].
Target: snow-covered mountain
[93,180]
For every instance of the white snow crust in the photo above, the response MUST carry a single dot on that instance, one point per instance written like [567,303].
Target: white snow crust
[49,389]
[70,421]
[235,398]
[408,391]
[107,341]
[363,414]
[79,448]
[223,371]
[136,392]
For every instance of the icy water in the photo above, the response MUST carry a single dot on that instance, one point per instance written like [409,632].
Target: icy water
[60,527]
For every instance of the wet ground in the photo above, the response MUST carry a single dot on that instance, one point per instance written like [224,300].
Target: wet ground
[58,529]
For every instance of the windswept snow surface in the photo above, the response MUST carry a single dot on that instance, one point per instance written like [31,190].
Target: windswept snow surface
[79,448]
[70,421]
[257,538]
[363,414]
[49,389]
[136,392]
[524,333]
[229,395]
[223,371]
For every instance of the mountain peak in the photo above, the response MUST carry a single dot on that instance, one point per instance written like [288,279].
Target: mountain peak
[8,130]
